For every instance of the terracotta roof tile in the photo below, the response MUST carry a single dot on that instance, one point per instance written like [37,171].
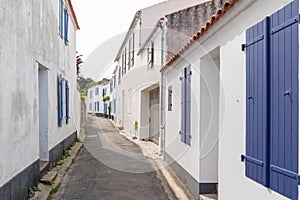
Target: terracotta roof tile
[214,18]
[73,14]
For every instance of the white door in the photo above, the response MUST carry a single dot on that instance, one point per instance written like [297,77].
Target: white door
[43,113]
[154,116]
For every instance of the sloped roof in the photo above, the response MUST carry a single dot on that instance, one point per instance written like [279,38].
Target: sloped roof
[225,6]
[149,17]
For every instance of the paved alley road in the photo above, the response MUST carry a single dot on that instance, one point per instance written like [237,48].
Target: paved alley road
[110,167]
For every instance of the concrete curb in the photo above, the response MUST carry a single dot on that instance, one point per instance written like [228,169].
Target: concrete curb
[165,173]
[53,178]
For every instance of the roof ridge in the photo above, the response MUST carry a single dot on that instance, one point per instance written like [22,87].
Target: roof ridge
[186,8]
[155,4]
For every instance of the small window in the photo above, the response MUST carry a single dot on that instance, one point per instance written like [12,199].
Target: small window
[132,51]
[97,91]
[125,61]
[151,55]
[170,98]
[91,94]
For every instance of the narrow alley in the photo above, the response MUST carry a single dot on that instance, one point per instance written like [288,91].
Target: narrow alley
[106,168]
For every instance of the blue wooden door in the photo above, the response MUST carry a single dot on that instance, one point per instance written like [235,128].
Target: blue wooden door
[284,101]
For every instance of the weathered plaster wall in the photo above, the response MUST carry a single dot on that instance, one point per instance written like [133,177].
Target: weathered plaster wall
[30,36]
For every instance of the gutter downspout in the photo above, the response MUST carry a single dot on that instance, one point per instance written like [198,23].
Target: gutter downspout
[140,32]
[161,87]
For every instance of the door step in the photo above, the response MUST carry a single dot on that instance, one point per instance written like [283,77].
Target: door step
[208,197]
[49,178]
[44,166]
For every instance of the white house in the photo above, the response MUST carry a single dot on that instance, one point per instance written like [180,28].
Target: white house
[95,103]
[39,99]
[139,61]
[113,94]
[231,117]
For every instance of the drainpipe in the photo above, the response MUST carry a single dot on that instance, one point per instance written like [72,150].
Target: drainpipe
[140,32]
[161,87]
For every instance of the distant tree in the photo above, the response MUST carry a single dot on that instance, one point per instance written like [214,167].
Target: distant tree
[78,64]
[85,84]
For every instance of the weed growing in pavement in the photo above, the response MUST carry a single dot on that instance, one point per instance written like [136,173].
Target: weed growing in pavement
[52,192]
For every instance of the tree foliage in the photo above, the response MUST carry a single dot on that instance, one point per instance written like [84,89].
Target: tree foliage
[85,84]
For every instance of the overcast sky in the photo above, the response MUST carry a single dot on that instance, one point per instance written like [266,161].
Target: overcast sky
[102,27]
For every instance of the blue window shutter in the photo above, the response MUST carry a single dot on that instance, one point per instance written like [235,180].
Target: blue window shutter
[183,102]
[284,101]
[170,98]
[60,27]
[256,157]
[67,102]
[60,100]
[188,105]
[66,27]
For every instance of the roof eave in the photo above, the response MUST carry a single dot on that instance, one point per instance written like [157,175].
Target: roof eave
[214,19]
[74,18]
[130,30]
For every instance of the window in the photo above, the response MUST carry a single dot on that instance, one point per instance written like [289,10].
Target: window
[60,26]
[96,91]
[95,106]
[122,65]
[104,92]
[67,102]
[60,100]
[150,54]
[271,157]
[66,27]
[132,51]
[129,54]
[91,94]
[125,61]
[170,98]
[186,105]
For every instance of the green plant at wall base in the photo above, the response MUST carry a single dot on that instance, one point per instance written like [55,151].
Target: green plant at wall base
[136,125]
[109,111]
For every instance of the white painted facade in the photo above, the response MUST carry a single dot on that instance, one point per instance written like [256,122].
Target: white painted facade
[113,94]
[218,104]
[32,56]
[94,101]
[136,78]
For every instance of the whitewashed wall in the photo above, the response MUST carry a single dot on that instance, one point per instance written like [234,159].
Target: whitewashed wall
[228,34]
[30,36]
[138,78]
